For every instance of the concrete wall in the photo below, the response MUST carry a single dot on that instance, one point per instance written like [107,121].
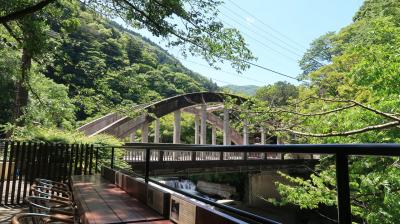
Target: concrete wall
[262,185]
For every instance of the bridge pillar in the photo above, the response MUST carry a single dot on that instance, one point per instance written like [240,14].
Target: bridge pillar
[132,137]
[157,131]
[214,135]
[262,130]
[245,133]
[196,129]
[203,126]
[227,134]
[177,127]
[145,132]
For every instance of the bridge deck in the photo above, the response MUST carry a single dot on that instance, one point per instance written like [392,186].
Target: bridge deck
[169,162]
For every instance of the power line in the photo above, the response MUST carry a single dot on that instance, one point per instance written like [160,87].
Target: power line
[227,72]
[258,41]
[289,50]
[268,26]
[262,67]
[273,71]
[261,35]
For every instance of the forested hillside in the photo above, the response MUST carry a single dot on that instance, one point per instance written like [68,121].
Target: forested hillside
[94,67]
[249,90]
[106,65]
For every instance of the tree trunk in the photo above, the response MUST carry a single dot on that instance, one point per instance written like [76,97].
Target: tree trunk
[21,87]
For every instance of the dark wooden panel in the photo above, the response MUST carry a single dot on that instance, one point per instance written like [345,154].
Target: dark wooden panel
[28,168]
[14,173]
[21,171]
[3,171]
[71,160]
[81,150]
[77,153]
[90,159]
[9,173]
[86,159]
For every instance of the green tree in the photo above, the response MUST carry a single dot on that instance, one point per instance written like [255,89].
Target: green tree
[277,94]
[319,54]
[40,24]
[353,99]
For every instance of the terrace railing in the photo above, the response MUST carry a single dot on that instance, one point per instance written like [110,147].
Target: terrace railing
[149,153]
[22,162]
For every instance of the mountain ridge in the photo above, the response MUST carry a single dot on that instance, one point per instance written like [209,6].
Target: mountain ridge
[249,90]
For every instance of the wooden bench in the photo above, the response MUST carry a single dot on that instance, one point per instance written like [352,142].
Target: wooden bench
[100,201]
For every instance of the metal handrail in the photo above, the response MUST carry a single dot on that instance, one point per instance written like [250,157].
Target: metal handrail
[346,149]
[342,151]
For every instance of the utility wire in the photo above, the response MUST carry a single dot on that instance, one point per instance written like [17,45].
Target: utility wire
[273,71]
[259,34]
[269,27]
[226,72]
[262,67]
[258,41]
[274,42]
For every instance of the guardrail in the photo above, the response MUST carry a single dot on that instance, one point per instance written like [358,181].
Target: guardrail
[341,151]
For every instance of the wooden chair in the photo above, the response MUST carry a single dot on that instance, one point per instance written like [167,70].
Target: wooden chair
[53,193]
[27,218]
[50,206]
[52,184]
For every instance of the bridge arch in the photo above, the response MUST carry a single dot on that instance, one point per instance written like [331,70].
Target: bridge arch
[121,126]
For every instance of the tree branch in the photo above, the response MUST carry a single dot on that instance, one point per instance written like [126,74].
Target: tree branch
[387,115]
[315,114]
[23,12]
[346,133]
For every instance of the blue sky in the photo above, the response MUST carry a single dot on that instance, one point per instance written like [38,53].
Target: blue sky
[277,31]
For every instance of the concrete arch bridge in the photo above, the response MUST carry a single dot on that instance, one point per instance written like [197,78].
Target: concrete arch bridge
[201,104]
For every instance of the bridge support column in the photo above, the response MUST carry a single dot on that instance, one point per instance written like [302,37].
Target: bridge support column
[203,128]
[177,127]
[196,128]
[262,130]
[157,131]
[145,132]
[245,133]
[214,135]
[227,134]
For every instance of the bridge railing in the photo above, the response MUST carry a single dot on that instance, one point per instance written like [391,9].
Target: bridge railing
[149,153]
[132,154]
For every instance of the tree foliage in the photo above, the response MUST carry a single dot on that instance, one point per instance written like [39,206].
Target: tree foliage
[353,97]
[277,94]
[88,66]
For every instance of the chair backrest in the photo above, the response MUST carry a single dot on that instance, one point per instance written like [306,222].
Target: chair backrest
[43,191]
[49,206]
[28,218]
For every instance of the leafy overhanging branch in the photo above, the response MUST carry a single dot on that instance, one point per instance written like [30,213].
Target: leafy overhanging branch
[394,123]
[345,133]
[25,11]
